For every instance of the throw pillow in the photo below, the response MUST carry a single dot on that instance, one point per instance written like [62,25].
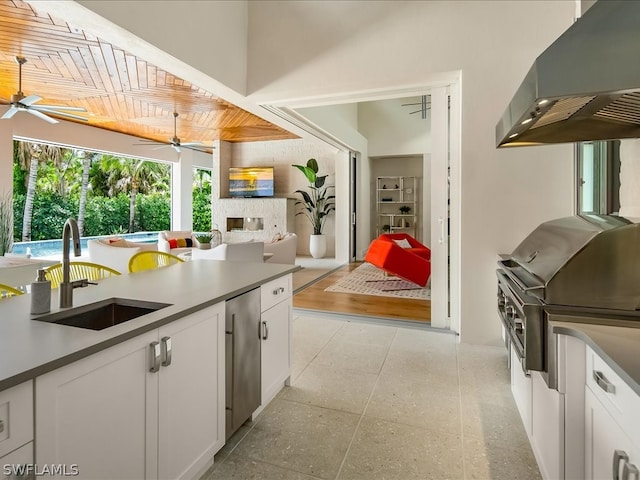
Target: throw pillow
[404,243]
[120,242]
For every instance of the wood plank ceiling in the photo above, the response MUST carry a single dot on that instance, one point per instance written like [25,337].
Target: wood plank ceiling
[69,66]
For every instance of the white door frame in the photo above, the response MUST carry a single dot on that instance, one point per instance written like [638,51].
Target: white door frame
[446,148]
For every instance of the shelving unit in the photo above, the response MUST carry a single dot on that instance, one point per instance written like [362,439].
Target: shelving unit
[393,193]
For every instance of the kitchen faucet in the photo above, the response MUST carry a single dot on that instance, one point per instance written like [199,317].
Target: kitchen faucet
[66,287]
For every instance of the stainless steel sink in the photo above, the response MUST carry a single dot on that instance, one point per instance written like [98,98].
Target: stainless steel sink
[103,314]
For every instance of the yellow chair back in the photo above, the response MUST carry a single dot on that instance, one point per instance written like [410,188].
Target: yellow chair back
[151,259]
[7,291]
[79,270]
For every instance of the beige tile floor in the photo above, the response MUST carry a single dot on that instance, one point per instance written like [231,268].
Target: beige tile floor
[371,401]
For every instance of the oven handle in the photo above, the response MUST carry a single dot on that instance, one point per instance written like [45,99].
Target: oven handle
[506,270]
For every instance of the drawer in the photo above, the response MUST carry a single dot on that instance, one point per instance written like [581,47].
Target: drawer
[12,463]
[16,417]
[275,291]
[616,396]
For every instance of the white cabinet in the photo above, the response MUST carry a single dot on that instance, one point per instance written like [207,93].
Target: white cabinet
[19,465]
[150,407]
[16,430]
[276,306]
[396,205]
[612,423]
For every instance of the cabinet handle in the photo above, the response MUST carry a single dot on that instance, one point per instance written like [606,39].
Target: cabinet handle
[154,356]
[617,456]
[265,331]
[628,470]
[278,291]
[1,426]
[166,351]
[603,383]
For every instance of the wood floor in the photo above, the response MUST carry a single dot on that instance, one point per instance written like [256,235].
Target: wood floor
[314,297]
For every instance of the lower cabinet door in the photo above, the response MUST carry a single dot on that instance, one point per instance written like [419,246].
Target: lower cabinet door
[276,353]
[93,415]
[606,444]
[19,464]
[191,423]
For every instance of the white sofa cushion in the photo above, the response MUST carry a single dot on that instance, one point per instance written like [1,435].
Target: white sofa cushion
[166,235]
[283,250]
[114,256]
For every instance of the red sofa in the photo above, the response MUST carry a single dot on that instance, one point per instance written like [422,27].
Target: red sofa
[411,263]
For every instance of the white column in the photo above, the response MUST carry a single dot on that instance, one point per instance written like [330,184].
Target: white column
[630,179]
[181,195]
[6,157]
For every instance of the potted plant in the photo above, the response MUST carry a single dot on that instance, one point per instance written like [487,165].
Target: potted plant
[203,241]
[316,204]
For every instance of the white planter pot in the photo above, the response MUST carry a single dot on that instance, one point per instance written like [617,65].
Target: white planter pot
[318,245]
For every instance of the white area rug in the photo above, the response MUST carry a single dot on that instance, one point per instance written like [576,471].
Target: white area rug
[370,280]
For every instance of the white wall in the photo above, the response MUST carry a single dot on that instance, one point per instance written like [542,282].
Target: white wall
[316,50]
[392,130]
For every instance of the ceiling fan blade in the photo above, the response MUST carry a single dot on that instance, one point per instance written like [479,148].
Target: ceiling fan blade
[41,115]
[191,144]
[63,107]
[176,148]
[198,149]
[70,116]
[30,100]
[10,113]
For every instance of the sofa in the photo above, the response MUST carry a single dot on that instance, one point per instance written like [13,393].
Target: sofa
[282,249]
[397,258]
[115,252]
[232,252]
[176,242]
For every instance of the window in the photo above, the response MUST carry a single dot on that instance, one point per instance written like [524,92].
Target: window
[598,182]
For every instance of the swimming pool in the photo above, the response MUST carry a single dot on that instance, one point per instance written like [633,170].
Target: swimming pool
[43,248]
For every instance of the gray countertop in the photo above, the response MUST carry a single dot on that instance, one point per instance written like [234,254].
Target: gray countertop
[29,348]
[619,346]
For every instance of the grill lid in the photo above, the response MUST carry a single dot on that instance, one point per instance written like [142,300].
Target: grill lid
[589,261]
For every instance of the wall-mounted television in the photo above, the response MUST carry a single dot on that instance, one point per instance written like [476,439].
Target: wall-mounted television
[251,182]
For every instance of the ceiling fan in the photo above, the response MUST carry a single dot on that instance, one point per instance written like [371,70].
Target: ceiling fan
[175,143]
[20,103]
[425,104]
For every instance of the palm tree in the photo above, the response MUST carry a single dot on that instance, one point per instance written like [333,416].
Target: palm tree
[86,158]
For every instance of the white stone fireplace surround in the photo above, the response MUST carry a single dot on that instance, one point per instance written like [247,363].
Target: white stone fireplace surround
[237,218]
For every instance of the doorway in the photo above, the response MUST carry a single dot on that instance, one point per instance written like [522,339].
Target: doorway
[441,156]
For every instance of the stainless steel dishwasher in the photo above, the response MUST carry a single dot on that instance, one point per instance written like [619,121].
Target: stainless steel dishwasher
[243,365]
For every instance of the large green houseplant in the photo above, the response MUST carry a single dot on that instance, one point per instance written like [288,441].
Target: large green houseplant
[317,203]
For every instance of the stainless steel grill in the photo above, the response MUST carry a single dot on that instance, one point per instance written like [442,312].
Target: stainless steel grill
[587,265]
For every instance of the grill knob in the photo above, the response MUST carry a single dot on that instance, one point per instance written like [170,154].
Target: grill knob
[518,326]
[511,312]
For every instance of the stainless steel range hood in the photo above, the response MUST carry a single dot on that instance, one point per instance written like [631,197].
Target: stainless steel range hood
[585,86]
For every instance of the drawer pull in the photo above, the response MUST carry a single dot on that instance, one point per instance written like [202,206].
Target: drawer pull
[278,291]
[603,383]
[628,470]
[618,455]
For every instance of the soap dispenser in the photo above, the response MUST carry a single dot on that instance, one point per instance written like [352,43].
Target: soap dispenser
[41,294]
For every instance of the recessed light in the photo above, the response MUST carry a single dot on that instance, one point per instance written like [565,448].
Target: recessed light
[528,120]
[513,135]
[542,102]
